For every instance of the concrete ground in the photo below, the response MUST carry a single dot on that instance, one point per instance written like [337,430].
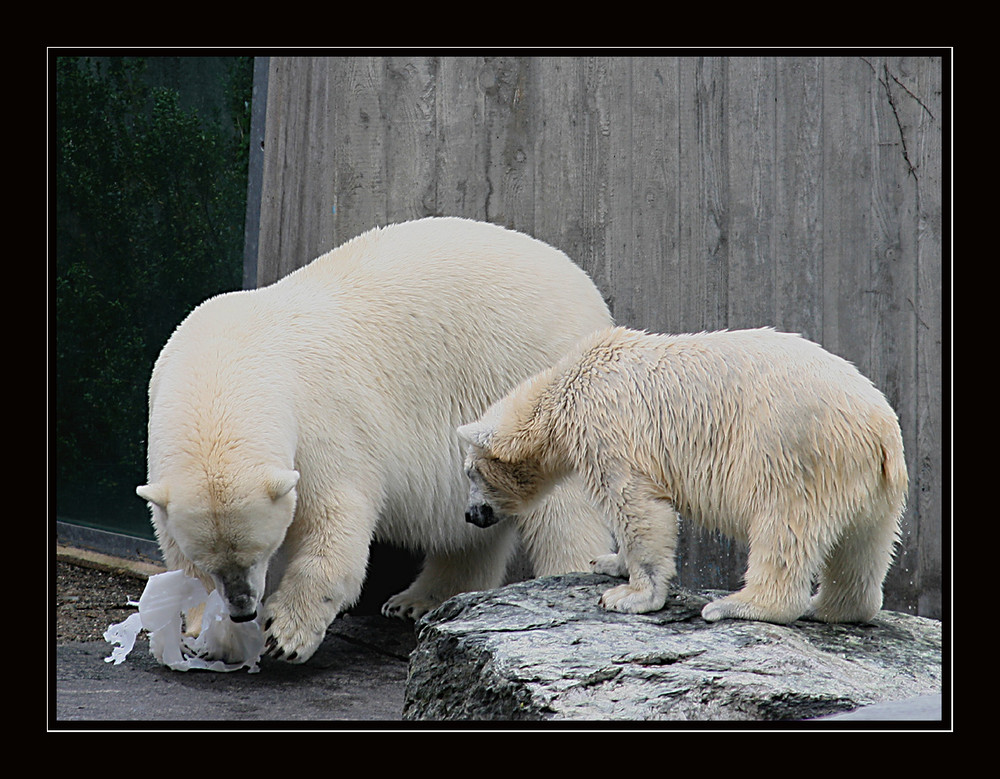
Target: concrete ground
[357,675]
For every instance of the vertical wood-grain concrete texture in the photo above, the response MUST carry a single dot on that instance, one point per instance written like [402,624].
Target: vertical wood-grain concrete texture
[699,192]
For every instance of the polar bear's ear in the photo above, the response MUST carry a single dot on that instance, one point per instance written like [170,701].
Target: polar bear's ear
[281,483]
[477,433]
[153,493]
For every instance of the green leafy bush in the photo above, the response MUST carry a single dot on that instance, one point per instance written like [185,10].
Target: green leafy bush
[150,202]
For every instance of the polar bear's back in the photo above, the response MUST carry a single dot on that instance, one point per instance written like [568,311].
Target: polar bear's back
[756,380]
[449,306]
[464,261]
[746,365]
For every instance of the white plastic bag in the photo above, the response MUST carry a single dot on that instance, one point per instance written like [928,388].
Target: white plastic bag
[166,597]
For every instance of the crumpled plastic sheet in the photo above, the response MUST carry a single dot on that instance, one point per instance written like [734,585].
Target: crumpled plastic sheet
[166,597]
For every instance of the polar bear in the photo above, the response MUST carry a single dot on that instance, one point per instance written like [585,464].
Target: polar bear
[761,435]
[291,425]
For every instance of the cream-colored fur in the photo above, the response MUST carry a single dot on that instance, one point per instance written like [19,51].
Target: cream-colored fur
[763,436]
[291,425]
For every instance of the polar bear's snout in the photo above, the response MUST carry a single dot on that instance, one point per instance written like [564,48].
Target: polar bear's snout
[239,594]
[478,510]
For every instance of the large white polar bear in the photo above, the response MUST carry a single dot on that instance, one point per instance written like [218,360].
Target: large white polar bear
[763,436]
[289,426]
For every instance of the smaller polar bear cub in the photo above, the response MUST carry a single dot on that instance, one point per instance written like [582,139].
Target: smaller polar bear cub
[763,436]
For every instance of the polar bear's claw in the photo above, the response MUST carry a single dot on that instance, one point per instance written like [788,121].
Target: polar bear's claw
[609,564]
[401,606]
[292,639]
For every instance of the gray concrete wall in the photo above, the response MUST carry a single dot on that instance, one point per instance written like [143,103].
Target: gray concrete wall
[803,192]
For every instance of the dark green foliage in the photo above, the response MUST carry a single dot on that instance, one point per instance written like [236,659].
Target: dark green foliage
[150,201]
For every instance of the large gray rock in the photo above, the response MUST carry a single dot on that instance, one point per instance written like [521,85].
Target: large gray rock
[544,650]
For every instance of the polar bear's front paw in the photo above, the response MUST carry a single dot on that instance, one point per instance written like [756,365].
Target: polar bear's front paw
[290,635]
[630,599]
[716,610]
[406,605]
[609,564]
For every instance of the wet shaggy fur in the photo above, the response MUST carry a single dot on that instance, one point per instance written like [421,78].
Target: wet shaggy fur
[763,436]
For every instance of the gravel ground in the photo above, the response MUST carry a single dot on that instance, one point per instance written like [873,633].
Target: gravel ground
[89,599]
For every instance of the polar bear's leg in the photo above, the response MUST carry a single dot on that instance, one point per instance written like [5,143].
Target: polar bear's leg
[327,554]
[646,527]
[850,587]
[480,565]
[566,532]
[781,565]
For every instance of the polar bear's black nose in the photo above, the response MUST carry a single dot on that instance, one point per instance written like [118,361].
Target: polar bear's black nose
[242,608]
[480,515]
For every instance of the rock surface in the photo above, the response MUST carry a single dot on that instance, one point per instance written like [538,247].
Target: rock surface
[544,650]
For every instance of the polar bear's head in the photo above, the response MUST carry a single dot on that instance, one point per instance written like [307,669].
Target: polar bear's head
[507,470]
[228,531]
